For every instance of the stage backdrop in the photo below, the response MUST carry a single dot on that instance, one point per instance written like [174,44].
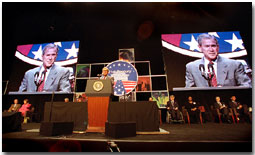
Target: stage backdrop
[180,49]
[29,56]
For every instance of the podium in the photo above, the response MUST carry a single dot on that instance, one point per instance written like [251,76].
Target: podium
[98,93]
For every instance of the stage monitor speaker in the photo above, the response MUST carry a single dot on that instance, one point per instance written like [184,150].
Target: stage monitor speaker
[120,129]
[11,121]
[56,128]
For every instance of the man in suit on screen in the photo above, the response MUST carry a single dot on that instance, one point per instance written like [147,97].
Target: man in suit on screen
[214,70]
[48,77]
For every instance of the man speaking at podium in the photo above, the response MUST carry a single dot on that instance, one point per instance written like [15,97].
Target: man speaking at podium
[213,70]
[49,77]
[105,76]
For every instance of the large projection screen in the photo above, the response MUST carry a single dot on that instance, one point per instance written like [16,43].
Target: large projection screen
[29,58]
[180,49]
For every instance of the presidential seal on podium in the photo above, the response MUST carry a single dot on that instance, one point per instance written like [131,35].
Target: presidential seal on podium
[98,85]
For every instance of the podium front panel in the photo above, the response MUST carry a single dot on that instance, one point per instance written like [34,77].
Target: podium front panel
[99,87]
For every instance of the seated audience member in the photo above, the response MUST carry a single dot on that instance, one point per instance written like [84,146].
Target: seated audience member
[223,109]
[25,108]
[193,110]
[15,106]
[239,109]
[173,108]
[79,98]
[66,99]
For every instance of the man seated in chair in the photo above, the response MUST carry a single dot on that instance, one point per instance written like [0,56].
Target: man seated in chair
[223,109]
[192,108]
[15,106]
[173,108]
[66,99]
[238,107]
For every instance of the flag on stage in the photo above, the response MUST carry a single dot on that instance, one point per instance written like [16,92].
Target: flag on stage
[119,88]
[230,44]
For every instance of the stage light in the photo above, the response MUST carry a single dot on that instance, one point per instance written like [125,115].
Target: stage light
[145,30]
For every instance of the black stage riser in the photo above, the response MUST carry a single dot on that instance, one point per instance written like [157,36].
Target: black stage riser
[56,128]
[120,129]
[11,121]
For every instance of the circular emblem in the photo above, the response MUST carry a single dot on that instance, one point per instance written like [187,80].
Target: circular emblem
[125,77]
[98,85]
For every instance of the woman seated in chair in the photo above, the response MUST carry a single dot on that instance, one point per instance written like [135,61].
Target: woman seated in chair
[194,112]
[25,108]
[173,108]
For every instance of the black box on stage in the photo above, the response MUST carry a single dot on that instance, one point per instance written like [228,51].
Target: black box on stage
[120,129]
[11,121]
[56,128]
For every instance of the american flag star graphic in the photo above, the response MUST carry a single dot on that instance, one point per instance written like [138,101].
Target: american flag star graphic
[125,77]
[32,53]
[230,44]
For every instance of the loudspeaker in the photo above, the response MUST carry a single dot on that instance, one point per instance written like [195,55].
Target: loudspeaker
[56,128]
[11,121]
[120,129]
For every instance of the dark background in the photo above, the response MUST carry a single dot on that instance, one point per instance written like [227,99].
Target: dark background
[103,28]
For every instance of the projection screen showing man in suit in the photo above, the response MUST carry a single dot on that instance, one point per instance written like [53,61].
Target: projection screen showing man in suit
[50,75]
[203,60]
[214,70]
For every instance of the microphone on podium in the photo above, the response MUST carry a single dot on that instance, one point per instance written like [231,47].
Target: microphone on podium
[36,78]
[211,69]
[202,69]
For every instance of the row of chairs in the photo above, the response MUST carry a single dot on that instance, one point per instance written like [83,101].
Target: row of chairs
[233,114]
[185,117]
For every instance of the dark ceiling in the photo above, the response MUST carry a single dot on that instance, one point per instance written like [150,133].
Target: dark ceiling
[103,28]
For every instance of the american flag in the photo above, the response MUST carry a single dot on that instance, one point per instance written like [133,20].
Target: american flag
[119,88]
[230,43]
[125,77]
[32,53]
